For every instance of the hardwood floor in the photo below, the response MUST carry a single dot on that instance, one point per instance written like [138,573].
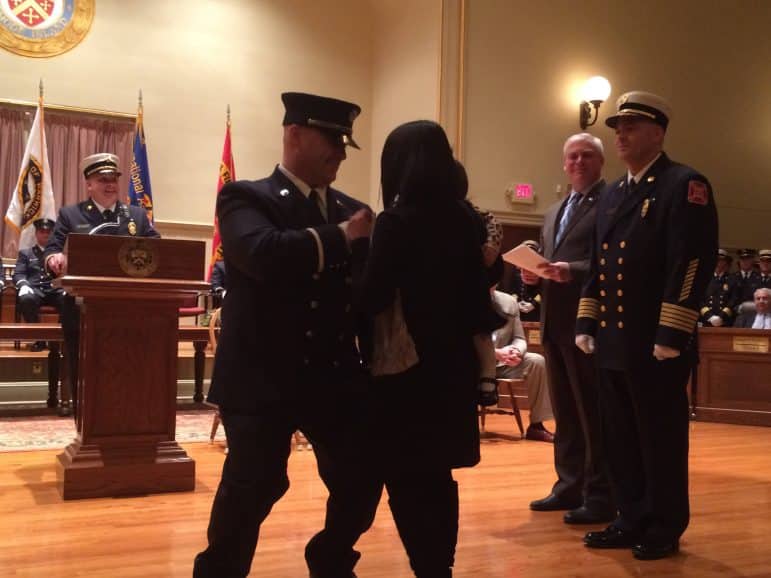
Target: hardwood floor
[157,536]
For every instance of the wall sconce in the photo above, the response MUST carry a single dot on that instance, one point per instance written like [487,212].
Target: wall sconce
[596,91]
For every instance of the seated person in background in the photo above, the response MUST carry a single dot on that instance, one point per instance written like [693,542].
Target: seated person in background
[717,308]
[218,282]
[746,280]
[765,267]
[514,362]
[761,317]
[33,282]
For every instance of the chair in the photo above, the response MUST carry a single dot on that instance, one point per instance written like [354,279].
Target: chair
[505,386]
[214,322]
[191,307]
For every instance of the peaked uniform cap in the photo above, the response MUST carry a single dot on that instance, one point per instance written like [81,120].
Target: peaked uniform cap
[100,163]
[321,112]
[641,104]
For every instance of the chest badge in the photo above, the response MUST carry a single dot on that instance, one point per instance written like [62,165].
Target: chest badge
[132,228]
[645,206]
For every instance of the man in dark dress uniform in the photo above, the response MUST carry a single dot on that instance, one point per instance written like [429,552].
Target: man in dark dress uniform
[745,280]
[655,247]
[287,357]
[32,281]
[764,256]
[101,214]
[582,485]
[716,309]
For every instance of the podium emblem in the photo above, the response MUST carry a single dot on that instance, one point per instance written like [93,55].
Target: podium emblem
[137,258]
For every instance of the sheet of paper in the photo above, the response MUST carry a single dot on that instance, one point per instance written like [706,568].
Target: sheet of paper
[524,257]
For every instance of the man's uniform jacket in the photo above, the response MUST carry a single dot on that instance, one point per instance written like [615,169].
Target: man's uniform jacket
[288,327]
[654,252]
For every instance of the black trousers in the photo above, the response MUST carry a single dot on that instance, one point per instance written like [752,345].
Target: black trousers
[254,477]
[29,304]
[579,457]
[645,428]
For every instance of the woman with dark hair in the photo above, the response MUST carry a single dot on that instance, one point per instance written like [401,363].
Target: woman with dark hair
[424,358]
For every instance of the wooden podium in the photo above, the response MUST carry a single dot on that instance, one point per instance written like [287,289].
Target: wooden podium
[131,289]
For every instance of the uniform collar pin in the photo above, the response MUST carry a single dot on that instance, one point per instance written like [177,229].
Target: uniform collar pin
[650,179]
[284,192]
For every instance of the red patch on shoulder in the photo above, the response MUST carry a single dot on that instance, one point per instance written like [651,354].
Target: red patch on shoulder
[697,192]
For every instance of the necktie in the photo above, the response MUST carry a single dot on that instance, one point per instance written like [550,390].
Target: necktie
[570,208]
[316,200]
[109,216]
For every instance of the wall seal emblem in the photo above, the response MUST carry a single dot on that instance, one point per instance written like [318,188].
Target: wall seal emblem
[43,28]
[137,258]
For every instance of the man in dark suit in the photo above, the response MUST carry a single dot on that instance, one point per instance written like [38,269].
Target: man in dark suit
[32,281]
[760,318]
[716,309]
[582,481]
[101,214]
[287,357]
[654,251]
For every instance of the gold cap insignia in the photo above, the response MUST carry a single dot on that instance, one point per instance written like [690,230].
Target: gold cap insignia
[132,228]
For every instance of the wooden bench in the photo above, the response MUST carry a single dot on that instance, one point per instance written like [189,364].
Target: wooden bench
[52,332]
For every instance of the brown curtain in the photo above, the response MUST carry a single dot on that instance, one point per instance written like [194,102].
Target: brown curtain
[13,126]
[70,137]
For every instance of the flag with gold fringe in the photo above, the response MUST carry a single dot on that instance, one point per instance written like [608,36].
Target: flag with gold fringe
[33,198]
[140,192]
[227,173]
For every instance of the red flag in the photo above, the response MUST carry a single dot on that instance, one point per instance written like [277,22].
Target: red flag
[227,174]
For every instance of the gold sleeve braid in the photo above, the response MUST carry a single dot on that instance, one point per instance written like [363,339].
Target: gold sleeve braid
[677,317]
[588,307]
[685,292]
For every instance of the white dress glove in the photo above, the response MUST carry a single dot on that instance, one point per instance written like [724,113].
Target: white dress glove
[526,307]
[585,343]
[715,321]
[25,290]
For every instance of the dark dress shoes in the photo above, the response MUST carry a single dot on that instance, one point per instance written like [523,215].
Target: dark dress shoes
[539,434]
[647,550]
[612,537]
[38,346]
[589,515]
[554,502]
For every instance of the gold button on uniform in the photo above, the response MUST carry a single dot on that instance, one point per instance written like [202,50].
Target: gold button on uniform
[603,308]
[620,260]
[602,261]
[620,276]
[602,293]
[620,308]
[602,324]
[602,276]
[620,293]
[620,324]
[605,246]
[622,244]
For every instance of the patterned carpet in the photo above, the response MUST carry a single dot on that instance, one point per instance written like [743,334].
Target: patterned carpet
[19,434]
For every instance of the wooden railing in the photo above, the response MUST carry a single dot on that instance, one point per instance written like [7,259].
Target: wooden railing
[52,332]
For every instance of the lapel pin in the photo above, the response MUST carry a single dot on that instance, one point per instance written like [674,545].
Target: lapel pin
[650,179]
[284,192]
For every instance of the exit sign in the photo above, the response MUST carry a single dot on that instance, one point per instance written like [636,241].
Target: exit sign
[520,193]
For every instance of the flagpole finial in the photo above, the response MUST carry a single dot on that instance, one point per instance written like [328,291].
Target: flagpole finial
[140,98]
[41,89]
[228,115]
